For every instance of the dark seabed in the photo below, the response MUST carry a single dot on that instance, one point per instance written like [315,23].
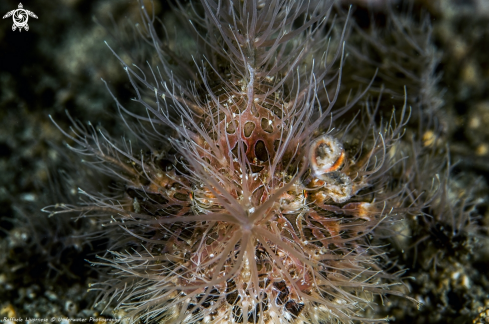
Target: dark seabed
[57,66]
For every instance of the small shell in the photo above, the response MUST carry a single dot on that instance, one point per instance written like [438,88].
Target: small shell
[326,154]
[337,186]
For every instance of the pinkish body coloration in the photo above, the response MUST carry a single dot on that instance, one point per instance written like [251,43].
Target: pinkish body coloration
[265,209]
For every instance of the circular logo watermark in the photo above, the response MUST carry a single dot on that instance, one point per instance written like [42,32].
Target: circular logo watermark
[20,17]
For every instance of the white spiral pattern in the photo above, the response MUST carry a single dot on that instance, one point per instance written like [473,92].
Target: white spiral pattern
[20,17]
